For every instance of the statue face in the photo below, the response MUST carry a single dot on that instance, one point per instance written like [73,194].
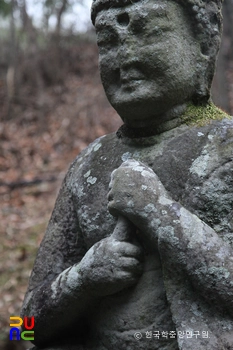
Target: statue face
[148,59]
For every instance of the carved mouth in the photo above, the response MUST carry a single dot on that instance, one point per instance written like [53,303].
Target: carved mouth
[131,79]
[131,75]
[131,82]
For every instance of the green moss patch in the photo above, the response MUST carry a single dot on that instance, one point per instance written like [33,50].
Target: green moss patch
[202,115]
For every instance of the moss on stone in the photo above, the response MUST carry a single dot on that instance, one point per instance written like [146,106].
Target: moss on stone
[202,115]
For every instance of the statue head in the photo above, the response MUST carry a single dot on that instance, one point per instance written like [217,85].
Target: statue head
[156,54]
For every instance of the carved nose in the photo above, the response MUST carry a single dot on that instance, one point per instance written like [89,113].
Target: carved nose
[130,63]
[128,55]
[130,66]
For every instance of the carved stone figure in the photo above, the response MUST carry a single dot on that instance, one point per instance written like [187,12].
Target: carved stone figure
[138,251]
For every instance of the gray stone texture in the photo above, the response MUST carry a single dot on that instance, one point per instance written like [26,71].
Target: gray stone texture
[196,260]
[141,235]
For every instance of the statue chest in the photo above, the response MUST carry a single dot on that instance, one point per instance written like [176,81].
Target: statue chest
[195,177]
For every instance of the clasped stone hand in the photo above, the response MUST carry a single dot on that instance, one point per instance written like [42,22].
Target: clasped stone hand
[114,263]
[135,192]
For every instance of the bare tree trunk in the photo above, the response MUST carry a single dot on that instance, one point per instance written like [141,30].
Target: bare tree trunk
[229,29]
[222,85]
[28,26]
[60,12]
[11,71]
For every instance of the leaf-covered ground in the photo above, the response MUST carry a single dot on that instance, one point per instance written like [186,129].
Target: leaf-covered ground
[36,147]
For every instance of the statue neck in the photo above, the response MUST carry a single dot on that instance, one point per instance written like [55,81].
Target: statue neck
[156,120]
[160,124]
[188,115]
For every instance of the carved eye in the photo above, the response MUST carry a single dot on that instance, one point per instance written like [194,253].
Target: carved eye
[106,37]
[123,19]
[138,23]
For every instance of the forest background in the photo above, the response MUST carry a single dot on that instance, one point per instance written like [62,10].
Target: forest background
[52,105]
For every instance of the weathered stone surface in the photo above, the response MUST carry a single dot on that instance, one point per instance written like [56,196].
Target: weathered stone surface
[189,281]
[203,19]
[140,239]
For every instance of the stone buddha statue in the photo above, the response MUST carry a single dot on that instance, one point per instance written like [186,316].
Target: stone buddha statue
[138,251]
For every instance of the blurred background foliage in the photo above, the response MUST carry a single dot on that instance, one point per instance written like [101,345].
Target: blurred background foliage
[52,105]
[39,41]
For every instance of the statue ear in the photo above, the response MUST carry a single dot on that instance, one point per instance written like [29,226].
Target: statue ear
[206,65]
[202,90]
[208,29]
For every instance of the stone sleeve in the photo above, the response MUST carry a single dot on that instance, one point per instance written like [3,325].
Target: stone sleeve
[55,296]
[187,244]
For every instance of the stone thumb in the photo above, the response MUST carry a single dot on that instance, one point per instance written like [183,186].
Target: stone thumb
[123,230]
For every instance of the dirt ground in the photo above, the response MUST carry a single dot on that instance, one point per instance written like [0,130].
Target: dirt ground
[35,151]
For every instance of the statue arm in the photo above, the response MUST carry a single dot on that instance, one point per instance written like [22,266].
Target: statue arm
[55,296]
[184,241]
[191,245]
[68,280]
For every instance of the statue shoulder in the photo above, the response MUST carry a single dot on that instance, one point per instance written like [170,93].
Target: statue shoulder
[94,158]
[220,136]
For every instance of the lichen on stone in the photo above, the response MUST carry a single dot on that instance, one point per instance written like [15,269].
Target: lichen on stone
[91,180]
